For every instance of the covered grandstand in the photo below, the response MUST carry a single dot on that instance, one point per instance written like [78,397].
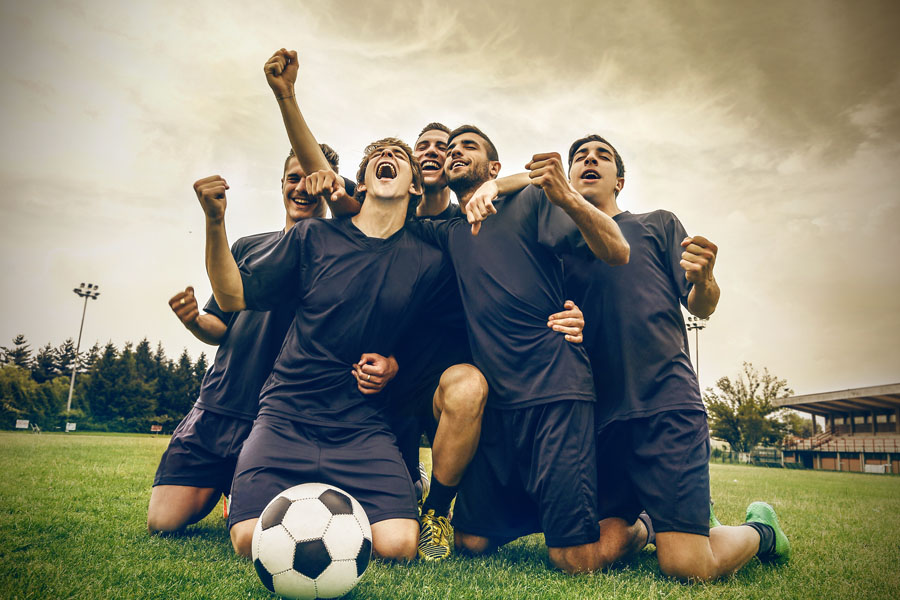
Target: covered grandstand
[861,430]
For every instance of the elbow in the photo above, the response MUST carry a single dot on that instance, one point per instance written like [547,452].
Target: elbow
[619,255]
[230,303]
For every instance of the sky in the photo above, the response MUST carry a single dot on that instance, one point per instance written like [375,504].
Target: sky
[772,128]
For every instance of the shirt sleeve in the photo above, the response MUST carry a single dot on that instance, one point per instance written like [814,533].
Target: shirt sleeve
[675,233]
[556,230]
[435,233]
[212,307]
[271,277]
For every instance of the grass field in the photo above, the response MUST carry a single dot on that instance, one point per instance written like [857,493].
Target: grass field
[73,513]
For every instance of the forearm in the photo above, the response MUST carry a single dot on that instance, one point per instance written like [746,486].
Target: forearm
[512,183]
[703,299]
[305,146]
[600,231]
[224,276]
[209,329]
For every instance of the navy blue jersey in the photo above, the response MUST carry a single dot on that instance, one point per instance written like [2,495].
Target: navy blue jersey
[246,354]
[352,294]
[634,330]
[510,279]
[434,345]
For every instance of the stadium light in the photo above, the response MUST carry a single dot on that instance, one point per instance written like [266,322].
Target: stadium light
[695,324]
[86,291]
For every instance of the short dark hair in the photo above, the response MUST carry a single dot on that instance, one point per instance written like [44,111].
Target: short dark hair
[434,126]
[491,149]
[414,199]
[620,166]
[330,155]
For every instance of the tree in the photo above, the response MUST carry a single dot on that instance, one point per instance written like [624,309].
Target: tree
[90,357]
[741,411]
[66,357]
[19,355]
[46,364]
[797,426]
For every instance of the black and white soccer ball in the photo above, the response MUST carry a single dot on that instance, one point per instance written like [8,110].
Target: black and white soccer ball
[312,541]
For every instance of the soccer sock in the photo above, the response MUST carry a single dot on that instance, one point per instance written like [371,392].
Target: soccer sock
[651,535]
[766,537]
[439,498]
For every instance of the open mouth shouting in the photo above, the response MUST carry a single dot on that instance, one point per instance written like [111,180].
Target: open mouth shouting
[590,174]
[385,170]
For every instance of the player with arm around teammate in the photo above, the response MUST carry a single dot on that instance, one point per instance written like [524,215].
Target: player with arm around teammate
[355,283]
[653,439]
[534,469]
[198,465]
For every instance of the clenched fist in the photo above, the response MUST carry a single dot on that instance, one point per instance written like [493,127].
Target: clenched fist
[211,194]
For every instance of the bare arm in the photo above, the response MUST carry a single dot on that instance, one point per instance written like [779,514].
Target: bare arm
[281,74]
[224,276]
[698,260]
[600,231]
[481,205]
[207,328]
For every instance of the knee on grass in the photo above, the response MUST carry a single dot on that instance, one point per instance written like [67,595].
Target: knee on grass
[161,523]
[473,544]
[242,538]
[575,560]
[400,547]
[687,568]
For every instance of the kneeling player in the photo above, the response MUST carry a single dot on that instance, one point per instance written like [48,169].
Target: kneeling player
[653,440]
[356,284]
[198,465]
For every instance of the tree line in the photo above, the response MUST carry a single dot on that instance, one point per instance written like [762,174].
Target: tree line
[126,389]
[136,387]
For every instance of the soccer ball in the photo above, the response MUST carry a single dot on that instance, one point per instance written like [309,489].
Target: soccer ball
[312,541]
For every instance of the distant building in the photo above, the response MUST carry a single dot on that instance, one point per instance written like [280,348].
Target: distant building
[861,432]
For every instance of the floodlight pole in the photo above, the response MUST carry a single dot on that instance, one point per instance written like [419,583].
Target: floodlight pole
[86,291]
[695,324]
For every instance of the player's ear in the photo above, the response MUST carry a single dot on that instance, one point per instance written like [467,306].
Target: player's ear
[361,187]
[620,183]
[414,190]
[494,168]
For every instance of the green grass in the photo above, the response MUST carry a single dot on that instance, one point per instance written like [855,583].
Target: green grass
[73,513]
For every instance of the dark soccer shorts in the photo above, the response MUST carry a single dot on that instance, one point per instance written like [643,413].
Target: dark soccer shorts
[413,416]
[281,453]
[534,470]
[203,451]
[659,464]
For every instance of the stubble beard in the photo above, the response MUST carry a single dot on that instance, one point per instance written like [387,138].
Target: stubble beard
[470,181]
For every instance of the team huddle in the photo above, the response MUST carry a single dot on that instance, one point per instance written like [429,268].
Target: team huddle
[532,331]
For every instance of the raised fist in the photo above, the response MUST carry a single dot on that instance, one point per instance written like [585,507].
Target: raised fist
[281,72]
[211,193]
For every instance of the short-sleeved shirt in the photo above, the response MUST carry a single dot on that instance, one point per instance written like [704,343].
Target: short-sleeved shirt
[511,280]
[246,354]
[352,294]
[634,329]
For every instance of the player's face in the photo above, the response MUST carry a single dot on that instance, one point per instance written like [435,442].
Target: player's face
[389,173]
[593,172]
[431,152]
[467,159]
[297,203]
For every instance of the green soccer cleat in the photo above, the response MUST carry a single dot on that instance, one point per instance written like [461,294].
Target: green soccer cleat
[434,537]
[760,512]
[713,520]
